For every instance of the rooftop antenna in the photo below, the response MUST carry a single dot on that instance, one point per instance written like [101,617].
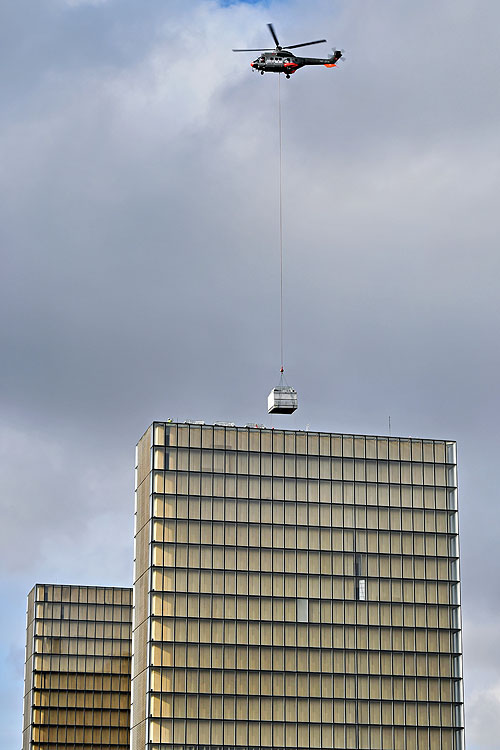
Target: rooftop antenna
[390,433]
[283,398]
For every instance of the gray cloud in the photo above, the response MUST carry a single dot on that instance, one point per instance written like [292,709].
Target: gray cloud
[139,227]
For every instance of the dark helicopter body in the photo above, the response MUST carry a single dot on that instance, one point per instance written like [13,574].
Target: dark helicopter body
[281,60]
[286,62]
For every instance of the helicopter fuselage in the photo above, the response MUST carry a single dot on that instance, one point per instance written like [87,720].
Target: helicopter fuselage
[283,61]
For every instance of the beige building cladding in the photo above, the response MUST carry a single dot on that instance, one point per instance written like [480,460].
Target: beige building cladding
[77,671]
[295,590]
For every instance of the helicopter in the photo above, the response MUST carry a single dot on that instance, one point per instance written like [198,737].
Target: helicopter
[280,60]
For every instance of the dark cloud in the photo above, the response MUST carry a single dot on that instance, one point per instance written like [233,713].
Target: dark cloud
[139,226]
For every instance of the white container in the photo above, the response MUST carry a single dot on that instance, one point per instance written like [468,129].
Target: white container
[282,400]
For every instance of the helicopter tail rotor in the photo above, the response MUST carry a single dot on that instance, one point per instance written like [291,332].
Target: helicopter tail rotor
[336,56]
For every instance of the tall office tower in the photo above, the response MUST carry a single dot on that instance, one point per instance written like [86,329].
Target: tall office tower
[77,672]
[295,590]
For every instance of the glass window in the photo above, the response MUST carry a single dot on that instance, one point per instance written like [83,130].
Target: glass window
[302,610]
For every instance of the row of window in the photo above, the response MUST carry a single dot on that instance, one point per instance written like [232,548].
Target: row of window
[82,647]
[84,629]
[81,682]
[217,682]
[80,717]
[342,613]
[397,742]
[81,699]
[84,595]
[79,612]
[61,663]
[385,562]
[301,710]
[277,516]
[336,588]
[212,656]
[312,443]
[305,515]
[213,560]
[339,637]
[279,465]
[48,745]
[299,513]
[306,490]
[312,586]
[305,736]
[71,735]
[428,543]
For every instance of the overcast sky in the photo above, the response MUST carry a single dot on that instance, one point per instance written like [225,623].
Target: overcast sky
[140,266]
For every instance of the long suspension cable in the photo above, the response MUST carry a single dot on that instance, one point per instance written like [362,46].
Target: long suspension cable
[280,218]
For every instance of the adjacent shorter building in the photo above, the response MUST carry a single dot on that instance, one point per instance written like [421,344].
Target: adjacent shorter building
[295,590]
[77,672]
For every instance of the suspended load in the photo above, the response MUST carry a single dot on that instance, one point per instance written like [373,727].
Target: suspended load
[282,399]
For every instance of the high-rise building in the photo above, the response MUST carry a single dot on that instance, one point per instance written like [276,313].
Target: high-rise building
[77,672]
[295,590]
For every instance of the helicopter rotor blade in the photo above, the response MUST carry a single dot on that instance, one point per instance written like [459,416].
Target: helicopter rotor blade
[305,44]
[273,33]
[257,49]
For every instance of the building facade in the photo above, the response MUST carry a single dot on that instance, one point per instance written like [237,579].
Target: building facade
[77,671]
[295,590]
